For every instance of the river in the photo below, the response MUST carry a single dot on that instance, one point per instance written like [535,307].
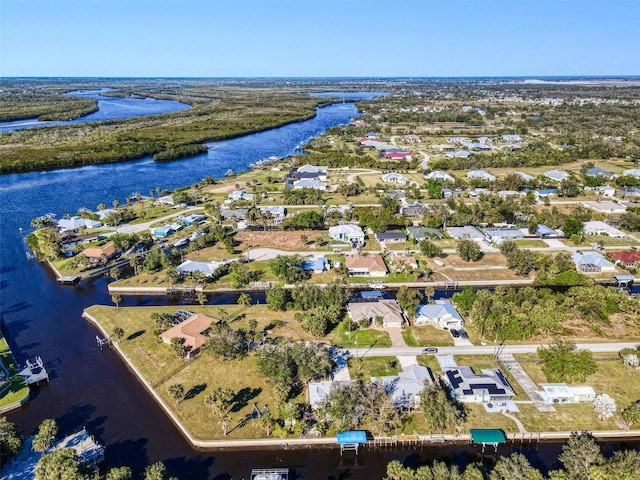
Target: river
[94,388]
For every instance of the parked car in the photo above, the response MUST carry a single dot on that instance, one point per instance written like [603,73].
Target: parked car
[454,333]
[429,351]
[463,334]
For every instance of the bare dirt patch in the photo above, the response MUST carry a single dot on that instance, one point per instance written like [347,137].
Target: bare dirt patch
[281,240]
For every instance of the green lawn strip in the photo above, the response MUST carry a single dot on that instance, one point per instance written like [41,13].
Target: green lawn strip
[18,389]
[419,336]
[477,417]
[567,418]
[430,362]
[400,246]
[527,243]
[367,367]
[366,337]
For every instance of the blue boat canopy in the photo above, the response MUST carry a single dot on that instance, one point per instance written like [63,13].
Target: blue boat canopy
[355,436]
[374,294]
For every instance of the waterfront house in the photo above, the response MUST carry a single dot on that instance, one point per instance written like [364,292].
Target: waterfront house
[165,200]
[405,387]
[316,265]
[207,268]
[74,223]
[442,314]
[480,175]
[71,239]
[439,175]
[319,391]
[347,232]
[102,214]
[192,331]
[391,236]
[555,393]
[366,265]
[597,227]
[309,172]
[395,177]
[389,310]
[592,262]
[403,261]
[101,255]
[470,387]
[556,175]
[628,259]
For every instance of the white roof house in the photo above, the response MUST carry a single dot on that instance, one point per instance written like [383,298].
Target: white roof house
[480,175]
[208,268]
[466,232]
[598,227]
[240,195]
[554,393]
[395,177]
[606,191]
[592,262]
[441,313]
[634,172]
[513,138]
[74,223]
[439,175]
[499,235]
[309,183]
[312,169]
[407,385]
[556,175]
[102,214]
[524,176]
[347,232]
[606,207]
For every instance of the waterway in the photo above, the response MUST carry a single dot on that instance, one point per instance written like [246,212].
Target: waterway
[94,388]
[109,108]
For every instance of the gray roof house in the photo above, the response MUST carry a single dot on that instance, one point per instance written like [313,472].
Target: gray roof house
[466,232]
[423,233]
[405,387]
[391,236]
[470,387]
[413,210]
[442,313]
[592,262]
[556,175]
[439,175]
[499,235]
[524,176]
[480,175]
[599,172]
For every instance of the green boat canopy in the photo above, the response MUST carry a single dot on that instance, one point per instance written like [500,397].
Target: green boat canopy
[488,436]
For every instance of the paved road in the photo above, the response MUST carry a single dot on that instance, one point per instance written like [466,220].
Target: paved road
[142,227]
[485,350]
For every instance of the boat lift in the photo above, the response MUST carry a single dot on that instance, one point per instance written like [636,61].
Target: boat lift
[34,371]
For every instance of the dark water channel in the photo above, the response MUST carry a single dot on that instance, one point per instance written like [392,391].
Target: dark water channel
[94,388]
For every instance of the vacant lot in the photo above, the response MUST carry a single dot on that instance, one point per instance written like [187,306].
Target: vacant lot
[292,241]
[419,336]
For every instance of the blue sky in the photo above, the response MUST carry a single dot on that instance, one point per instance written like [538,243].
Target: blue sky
[220,38]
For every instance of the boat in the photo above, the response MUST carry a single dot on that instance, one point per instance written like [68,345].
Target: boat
[270,474]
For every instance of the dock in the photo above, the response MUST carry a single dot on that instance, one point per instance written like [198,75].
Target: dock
[69,280]
[270,474]
[34,372]
[88,451]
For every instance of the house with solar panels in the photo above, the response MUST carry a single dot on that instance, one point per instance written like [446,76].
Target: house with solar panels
[470,387]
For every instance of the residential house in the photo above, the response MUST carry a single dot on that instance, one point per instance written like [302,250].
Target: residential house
[405,387]
[316,265]
[513,138]
[470,387]
[424,233]
[598,227]
[556,175]
[74,223]
[439,175]
[459,154]
[606,207]
[234,213]
[396,194]
[413,210]
[465,233]
[319,391]
[239,195]
[309,183]
[347,232]
[165,200]
[102,214]
[192,331]
[389,310]
[633,192]
[404,261]
[599,172]
[509,194]
[633,172]
[592,262]
[442,314]
[309,172]
[606,191]
[401,155]
[628,259]
[101,255]
[189,220]
[207,268]
[480,175]
[555,393]
[544,193]
[391,236]
[71,239]
[277,214]
[366,265]
[547,232]
[395,177]
[411,138]
[499,235]
[166,230]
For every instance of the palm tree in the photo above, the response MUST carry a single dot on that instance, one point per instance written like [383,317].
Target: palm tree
[118,333]
[176,391]
[244,299]
[202,299]
[116,298]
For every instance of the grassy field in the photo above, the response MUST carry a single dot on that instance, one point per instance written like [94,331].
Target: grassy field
[419,336]
[18,389]
[529,243]
[366,337]
[367,367]
[604,240]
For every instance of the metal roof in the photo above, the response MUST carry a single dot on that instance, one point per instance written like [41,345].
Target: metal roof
[487,436]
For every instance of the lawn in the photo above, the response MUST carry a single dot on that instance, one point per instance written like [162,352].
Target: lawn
[366,337]
[604,240]
[18,389]
[367,367]
[529,243]
[420,336]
